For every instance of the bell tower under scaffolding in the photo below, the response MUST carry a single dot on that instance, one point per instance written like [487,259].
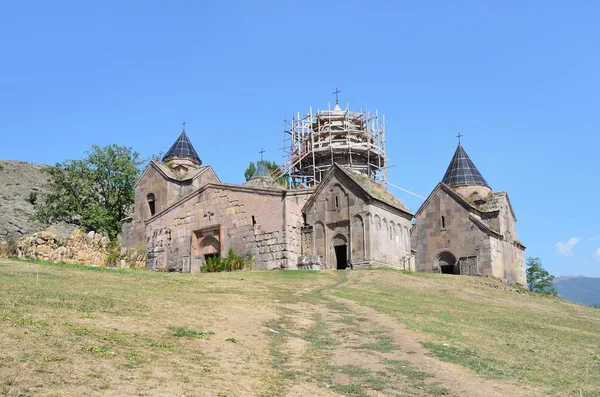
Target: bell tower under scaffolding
[315,141]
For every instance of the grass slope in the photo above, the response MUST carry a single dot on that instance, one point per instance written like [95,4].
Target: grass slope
[536,340]
[69,330]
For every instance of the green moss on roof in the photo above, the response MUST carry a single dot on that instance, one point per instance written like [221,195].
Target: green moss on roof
[376,190]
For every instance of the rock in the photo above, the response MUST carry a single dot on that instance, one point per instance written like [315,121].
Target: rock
[46,235]
[90,235]
[44,251]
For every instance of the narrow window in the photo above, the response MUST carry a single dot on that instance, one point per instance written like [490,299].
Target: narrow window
[253,221]
[151,203]
[443,222]
[337,202]
[304,218]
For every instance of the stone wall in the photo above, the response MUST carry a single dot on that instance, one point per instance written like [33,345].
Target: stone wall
[250,221]
[77,248]
[457,235]
[374,233]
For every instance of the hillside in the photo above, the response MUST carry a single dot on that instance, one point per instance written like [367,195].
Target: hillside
[579,289]
[19,180]
[96,331]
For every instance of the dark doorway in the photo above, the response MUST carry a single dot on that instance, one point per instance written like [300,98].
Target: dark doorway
[447,263]
[206,256]
[341,256]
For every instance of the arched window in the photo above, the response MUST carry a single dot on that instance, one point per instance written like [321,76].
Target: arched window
[151,203]
[337,202]
[443,222]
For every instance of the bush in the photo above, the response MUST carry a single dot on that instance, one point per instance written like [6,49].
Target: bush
[9,247]
[230,263]
[113,253]
[32,199]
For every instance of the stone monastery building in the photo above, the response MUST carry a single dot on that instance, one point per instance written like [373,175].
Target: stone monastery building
[332,213]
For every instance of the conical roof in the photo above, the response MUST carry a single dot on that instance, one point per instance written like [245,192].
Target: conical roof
[261,171]
[462,171]
[262,178]
[183,148]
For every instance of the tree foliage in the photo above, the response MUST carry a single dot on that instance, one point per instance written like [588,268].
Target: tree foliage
[538,278]
[271,166]
[94,193]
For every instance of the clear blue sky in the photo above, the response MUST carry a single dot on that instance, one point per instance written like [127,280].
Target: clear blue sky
[519,79]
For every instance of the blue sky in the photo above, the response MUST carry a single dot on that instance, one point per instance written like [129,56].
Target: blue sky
[520,80]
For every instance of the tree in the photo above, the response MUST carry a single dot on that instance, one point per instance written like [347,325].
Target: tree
[271,166]
[94,193]
[538,278]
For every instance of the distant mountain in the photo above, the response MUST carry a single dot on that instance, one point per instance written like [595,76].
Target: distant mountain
[579,289]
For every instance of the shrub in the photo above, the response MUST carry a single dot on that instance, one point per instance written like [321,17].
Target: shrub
[32,199]
[9,247]
[230,263]
[113,253]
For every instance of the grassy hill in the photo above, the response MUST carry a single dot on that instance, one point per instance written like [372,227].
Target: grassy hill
[579,289]
[68,330]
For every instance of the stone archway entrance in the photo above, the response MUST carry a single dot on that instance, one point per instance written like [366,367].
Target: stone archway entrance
[210,247]
[340,248]
[447,263]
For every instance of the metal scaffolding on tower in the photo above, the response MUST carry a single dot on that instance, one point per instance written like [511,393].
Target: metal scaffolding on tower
[313,142]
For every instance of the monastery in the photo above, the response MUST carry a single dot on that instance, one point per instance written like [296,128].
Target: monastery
[326,208]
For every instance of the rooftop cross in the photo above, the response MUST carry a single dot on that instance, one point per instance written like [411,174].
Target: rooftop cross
[183,124]
[261,154]
[458,136]
[336,92]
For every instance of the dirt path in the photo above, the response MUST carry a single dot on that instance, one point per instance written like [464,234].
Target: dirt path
[328,346]
[456,379]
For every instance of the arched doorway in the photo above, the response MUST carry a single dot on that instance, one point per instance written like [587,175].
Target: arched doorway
[447,263]
[210,247]
[340,247]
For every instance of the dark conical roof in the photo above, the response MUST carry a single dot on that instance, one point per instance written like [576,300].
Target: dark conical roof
[462,171]
[261,171]
[183,148]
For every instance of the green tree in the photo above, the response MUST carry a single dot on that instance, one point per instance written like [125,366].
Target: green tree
[538,278]
[271,166]
[94,193]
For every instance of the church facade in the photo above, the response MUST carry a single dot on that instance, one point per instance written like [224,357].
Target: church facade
[465,228]
[183,215]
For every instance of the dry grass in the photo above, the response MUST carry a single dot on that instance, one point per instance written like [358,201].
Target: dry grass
[547,343]
[67,330]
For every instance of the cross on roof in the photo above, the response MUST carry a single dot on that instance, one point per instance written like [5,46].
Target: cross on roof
[261,154]
[458,136]
[183,124]
[336,92]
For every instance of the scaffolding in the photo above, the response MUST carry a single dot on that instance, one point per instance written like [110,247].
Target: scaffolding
[315,141]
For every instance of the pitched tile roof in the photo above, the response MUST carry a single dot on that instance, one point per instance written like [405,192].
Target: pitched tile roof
[375,189]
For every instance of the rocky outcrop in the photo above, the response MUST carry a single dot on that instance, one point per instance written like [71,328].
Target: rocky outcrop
[78,247]
[21,185]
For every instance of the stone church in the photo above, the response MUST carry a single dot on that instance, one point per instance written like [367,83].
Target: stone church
[465,228]
[330,212]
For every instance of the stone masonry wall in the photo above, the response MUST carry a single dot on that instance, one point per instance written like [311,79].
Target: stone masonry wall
[459,236]
[248,220]
[78,248]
